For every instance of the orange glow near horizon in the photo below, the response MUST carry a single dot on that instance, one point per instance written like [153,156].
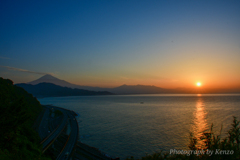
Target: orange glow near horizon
[112,82]
[183,80]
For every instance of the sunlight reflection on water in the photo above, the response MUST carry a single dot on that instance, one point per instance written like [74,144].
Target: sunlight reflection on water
[200,123]
[122,126]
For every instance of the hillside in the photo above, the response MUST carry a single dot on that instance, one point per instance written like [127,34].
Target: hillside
[18,111]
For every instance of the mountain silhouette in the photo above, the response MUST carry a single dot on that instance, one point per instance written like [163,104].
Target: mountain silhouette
[139,89]
[124,89]
[50,79]
[130,89]
[51,90]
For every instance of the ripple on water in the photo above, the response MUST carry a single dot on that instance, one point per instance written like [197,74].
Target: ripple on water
[121,126]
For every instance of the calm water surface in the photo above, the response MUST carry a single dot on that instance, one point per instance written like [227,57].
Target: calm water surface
[123,126]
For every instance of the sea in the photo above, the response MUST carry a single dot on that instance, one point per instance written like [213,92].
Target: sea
[136,125]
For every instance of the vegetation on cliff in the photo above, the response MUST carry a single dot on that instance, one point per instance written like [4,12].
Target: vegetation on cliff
[213,147]
[18,111]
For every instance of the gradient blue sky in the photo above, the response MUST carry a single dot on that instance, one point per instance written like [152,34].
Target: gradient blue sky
[109,43]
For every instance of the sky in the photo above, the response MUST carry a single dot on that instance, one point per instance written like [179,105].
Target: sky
[109,43]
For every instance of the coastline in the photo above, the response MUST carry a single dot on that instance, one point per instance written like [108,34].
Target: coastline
[80,149]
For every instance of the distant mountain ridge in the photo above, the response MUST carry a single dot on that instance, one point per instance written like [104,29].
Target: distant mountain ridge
[124,89]
[51,79]
[138,89]
[51,90]
[131,89]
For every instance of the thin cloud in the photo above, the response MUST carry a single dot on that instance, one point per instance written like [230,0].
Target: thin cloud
[4,57]
[24,70]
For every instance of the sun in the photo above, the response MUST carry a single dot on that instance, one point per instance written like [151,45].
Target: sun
[198,84]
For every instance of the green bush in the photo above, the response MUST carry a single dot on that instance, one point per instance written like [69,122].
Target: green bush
[18,111]
[222,149]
